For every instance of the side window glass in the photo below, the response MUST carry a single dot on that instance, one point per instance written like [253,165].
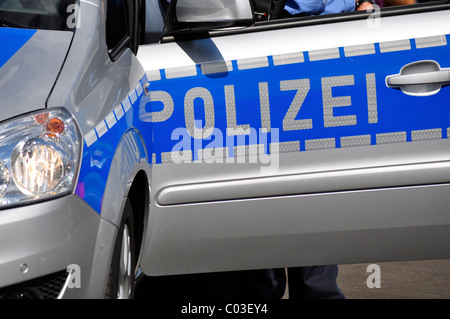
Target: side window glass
[281,9]
[116,25]
[155,15]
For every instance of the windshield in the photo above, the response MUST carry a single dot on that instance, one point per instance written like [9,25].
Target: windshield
[36,14]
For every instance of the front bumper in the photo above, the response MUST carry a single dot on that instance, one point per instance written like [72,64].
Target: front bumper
[40,241]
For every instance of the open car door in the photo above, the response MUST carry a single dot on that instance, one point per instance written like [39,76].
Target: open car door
[306,141]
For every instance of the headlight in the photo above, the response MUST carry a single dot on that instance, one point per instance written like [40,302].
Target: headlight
[39,155]
[4,179]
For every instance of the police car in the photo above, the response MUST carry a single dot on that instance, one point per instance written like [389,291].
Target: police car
[186,138]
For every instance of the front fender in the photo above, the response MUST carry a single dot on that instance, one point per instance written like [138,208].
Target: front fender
[129,158]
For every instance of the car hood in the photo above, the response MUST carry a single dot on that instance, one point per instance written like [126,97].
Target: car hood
[30,61]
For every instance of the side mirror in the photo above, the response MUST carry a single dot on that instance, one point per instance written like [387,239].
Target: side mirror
[207,15]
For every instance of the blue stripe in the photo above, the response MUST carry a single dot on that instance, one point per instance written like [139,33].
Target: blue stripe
[11,41]
[99,152]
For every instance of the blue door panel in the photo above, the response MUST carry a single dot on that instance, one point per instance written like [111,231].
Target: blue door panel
[343,96]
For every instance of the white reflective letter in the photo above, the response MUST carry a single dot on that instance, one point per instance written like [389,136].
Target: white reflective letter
[230,103]
[289,122]
[189,112]
[330,102]
[161,116]
[264,106]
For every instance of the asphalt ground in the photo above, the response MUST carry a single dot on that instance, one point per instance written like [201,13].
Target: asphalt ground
[428,279]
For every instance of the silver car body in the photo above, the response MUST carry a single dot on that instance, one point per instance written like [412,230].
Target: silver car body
[344,169]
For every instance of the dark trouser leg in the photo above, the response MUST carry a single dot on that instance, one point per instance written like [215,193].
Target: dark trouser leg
[315,282]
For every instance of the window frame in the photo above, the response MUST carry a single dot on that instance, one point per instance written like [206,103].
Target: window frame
[317,20]
[131,38]
[38,19]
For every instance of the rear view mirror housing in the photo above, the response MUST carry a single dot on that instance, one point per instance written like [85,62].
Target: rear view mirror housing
[207,15]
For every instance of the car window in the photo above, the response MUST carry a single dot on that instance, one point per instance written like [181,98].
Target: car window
[298,12]
[36,14]
[116,26]
[283,9]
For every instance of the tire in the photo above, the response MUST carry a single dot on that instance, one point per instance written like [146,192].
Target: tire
[121,281]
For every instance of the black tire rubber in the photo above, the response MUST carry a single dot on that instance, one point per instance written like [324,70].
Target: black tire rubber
[112,286]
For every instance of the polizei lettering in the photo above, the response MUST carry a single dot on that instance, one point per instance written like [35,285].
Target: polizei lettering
[292,120]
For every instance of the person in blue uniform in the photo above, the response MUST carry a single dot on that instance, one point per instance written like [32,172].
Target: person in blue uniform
[321,7]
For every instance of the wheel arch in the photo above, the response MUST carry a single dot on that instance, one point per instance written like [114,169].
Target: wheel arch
[139,196]
[128,179]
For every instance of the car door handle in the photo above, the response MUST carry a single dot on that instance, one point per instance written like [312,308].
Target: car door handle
[440,77]
[420,78]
